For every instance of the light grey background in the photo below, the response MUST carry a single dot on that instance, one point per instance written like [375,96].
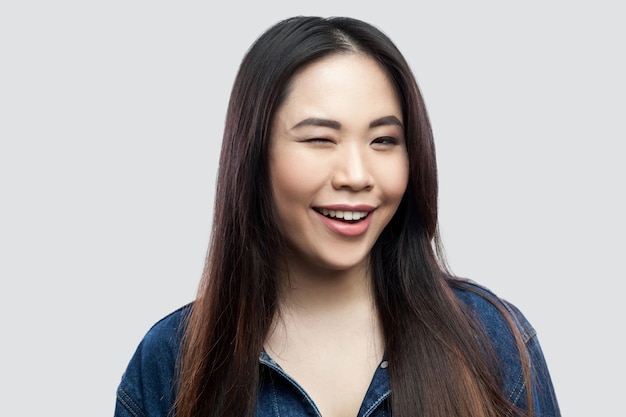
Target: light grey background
[111,115]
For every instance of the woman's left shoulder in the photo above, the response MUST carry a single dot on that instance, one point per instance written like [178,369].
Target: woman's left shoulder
[505,324]
[494,312]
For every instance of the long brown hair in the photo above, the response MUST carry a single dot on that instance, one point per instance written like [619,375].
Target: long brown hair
[439,358]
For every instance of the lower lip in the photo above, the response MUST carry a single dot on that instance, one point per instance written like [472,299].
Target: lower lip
[345,228]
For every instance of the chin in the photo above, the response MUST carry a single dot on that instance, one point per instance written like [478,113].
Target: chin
[343,264]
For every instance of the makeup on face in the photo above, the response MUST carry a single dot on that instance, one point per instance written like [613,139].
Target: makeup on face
[338,160]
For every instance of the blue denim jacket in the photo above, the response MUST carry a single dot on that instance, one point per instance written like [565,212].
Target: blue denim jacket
[147,387]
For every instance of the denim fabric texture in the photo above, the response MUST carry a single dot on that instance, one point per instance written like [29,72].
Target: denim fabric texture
[147,388]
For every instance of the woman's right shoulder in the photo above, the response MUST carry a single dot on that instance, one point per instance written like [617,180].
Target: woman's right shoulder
[169,329]
[147,386]
[160,345]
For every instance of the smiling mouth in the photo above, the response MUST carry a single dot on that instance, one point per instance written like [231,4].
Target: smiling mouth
[343,215]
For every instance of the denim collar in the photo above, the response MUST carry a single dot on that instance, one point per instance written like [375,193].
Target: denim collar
[375,396]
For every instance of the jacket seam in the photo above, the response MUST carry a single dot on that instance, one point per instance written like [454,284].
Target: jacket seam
[275,397]
[377,403]
[129,404]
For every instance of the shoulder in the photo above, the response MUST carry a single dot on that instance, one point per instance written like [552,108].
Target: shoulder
[494,312]
[162,341]
[167,332]
[503,323]
[147,386]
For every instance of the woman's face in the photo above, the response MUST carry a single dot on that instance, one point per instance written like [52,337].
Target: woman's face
[338,161]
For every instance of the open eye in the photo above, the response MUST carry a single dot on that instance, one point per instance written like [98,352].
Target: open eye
[385,140]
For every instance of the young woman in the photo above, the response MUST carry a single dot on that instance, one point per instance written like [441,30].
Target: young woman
[324,292]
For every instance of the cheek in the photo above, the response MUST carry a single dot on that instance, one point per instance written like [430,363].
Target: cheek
[395,180]
[291,182]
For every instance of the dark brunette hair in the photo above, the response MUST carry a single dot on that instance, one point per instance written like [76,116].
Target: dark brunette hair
[439,357]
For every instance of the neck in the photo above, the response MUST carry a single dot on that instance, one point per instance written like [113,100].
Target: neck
[316,290]
[324,311]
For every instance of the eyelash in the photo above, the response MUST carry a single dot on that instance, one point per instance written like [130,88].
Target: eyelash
[318,140]
[386,140]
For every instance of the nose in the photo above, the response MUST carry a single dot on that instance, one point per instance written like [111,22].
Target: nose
[352,170]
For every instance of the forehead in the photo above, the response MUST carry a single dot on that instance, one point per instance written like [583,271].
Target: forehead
[342,86]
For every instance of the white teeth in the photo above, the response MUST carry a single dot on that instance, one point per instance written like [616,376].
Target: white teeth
[345,215]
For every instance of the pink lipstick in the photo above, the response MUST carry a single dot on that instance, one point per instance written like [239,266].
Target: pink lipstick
[346,220]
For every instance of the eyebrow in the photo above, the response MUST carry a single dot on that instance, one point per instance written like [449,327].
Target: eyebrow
[333,124]
[315,121]
[386,121]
